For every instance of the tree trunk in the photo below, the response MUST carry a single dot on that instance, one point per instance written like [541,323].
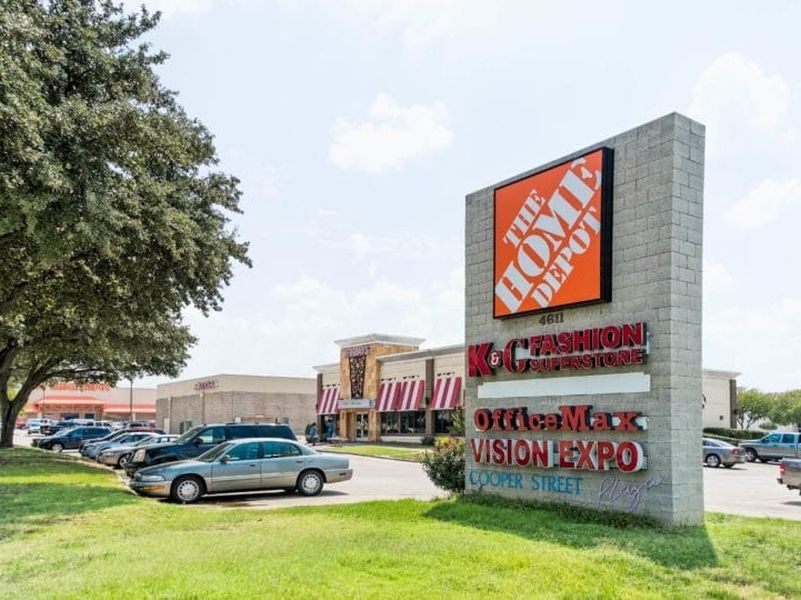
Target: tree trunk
[10,410]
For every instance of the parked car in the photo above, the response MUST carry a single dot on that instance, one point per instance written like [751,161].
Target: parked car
[111,436]
[244,465]
[119,454]
[51,428]
[128,437]
[718,452]
[790,473]
[69,439]
[774,446]
[199,439]
[21,424]
[35,425]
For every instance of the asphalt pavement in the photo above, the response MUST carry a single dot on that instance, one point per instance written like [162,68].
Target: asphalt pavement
[750,489]
[747,489]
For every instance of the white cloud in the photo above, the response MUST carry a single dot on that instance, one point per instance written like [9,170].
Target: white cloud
[717,276]
[420,21]
[170,8]
[391,135]
[734,95]
[754,340]
[409,244]
[765,203]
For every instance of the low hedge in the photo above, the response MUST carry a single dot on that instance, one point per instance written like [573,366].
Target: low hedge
[737,434]
[723,438]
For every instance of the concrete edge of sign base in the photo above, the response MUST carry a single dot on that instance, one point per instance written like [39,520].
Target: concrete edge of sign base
[567,408]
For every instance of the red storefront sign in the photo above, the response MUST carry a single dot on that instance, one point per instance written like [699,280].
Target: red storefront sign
[581,349]
[626,456]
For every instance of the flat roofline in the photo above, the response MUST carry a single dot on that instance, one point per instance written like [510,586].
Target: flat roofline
[384,338]
[722,373]
[427,353]
[328,367]
[218,375]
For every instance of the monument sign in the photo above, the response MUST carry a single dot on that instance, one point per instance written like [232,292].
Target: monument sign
[583,327]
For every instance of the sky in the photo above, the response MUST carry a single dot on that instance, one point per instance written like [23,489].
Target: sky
[358,127]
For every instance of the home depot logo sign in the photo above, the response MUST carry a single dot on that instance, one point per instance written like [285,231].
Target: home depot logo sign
[552,237]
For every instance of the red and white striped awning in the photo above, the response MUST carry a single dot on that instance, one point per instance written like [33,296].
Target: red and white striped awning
[446,393]
[328,404]
[387,393]
[410,396]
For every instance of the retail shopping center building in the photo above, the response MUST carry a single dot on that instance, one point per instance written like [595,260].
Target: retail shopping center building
[385,388]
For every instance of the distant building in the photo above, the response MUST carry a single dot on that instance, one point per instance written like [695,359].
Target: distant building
[67,400]
[234,398]
[719,398]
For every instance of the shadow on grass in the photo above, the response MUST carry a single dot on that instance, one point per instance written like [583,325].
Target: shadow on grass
[260,498]
[26,506]
[680,547]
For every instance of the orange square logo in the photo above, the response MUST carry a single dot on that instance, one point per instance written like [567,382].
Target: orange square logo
[553,243]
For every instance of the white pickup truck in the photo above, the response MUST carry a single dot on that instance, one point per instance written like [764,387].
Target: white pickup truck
[790,473]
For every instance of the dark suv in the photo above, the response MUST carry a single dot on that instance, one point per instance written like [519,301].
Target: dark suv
[69,439]
[201,438]
[53,428]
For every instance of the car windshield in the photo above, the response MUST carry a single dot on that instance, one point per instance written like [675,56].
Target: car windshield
[68,430]
[187,434]
[145,441]
[215,453]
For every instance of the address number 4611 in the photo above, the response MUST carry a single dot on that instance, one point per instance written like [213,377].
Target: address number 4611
[552,318]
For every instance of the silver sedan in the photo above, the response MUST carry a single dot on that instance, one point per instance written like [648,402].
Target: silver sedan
[118,455]
[243,465]
[718,452]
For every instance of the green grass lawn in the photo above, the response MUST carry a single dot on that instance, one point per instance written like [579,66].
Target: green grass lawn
[396,452]
[71,531]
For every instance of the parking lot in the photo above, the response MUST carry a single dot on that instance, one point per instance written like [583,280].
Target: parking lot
[747,489]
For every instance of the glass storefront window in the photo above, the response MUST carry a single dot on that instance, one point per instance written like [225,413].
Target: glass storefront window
[443,421]
[390,422]
[410,422]
[413,422]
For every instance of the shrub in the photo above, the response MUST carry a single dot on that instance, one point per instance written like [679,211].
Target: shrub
[457,427]
[427,440]
[445,465]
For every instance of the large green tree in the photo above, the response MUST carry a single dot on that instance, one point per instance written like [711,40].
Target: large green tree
[113,215]
[786,409]
[752,405]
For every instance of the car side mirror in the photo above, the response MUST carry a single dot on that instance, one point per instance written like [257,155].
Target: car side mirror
[224,460]
[197,441]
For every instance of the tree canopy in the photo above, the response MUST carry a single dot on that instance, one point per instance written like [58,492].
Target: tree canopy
[114,216]
[778,408]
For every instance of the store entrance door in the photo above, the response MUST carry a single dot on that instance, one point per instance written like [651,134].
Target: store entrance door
[361,427]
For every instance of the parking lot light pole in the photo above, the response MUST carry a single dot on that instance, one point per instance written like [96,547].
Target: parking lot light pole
[130,400]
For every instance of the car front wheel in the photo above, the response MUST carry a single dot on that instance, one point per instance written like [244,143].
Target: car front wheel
[750,455]
[123,460]
[57,447]
[713,460]
[310,483]
[186,490]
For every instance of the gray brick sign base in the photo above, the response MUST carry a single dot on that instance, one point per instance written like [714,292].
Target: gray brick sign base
[656,278]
